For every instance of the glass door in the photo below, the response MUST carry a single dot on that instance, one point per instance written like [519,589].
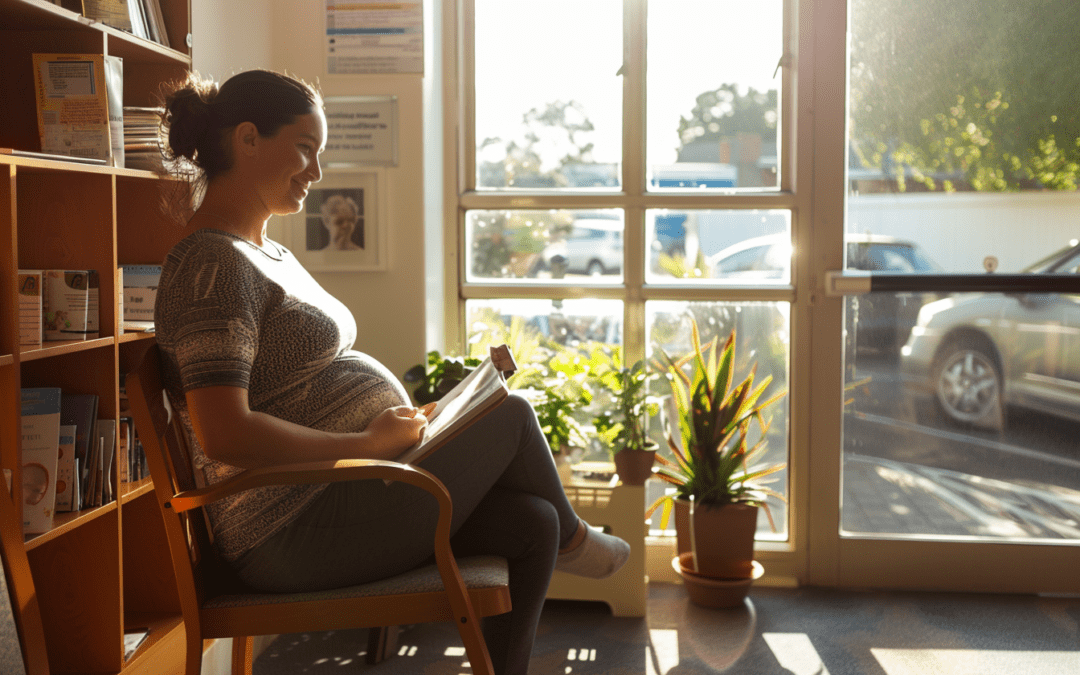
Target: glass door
[954,317]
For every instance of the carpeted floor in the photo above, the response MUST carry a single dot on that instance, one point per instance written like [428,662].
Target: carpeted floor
[778,631]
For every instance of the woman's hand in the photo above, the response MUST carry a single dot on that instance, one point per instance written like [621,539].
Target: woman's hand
[393,431]
[230,432]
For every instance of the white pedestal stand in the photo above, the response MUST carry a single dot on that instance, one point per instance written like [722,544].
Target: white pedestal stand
[620,510]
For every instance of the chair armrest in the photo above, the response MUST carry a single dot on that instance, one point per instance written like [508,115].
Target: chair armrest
[310,473]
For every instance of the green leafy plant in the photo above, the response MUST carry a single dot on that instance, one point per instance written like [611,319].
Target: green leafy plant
[558,389]
[714,463]
[556,414]
[438,377]
[626,424]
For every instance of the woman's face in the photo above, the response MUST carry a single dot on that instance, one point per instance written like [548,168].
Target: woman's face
[289,163]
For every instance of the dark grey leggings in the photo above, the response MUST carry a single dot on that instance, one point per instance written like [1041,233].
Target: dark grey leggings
[508,501]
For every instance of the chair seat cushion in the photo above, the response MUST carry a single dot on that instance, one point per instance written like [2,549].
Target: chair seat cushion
[476,572]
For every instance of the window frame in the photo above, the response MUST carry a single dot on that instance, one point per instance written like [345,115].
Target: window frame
[785,561]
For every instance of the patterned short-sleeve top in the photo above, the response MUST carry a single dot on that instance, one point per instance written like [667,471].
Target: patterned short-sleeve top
[231,313]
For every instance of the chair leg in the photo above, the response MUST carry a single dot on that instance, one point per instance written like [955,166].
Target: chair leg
[475,648]
[382,642]
[242,655]
[193,657]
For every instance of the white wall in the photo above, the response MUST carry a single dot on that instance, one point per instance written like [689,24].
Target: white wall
[959,230]
[234,35]
[229,36]
[435,254]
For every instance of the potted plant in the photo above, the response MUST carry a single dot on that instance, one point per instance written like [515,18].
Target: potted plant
[719,485]
[557,392]
[624,428]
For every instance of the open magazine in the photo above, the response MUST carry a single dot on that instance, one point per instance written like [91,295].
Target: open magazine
[480,391]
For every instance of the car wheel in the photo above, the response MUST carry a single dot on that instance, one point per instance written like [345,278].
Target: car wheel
[595,269]
[967,385]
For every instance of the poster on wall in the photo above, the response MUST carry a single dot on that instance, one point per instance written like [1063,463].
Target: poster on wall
[360,130]
[366,37]
[341,228]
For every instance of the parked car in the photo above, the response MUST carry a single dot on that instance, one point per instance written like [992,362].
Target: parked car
[593,247]
[979,354]
[879,321]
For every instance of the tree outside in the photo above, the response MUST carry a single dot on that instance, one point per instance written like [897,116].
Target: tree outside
[966,95]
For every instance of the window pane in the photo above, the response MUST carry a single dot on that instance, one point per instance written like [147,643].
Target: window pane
[713,105]
[965,135]
[554,343]
[970,430]
[964,156]
[568,323]
[719,247]
[762,338]
[548,100]
[549,246]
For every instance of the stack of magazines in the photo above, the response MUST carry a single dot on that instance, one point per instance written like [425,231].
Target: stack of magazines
[142,145]
[142,18]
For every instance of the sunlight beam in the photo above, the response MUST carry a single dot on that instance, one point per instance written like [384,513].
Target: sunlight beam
[982,661]
[662,654]
[796,653]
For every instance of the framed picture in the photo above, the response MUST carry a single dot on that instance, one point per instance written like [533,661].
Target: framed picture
[341,228]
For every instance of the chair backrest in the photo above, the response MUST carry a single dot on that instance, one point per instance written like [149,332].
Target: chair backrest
[17,587]
[199,571]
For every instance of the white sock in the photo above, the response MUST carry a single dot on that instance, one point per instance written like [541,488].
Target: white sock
[598,556]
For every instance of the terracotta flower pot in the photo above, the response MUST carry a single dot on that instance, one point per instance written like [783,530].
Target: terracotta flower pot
[724,537]
[634,466]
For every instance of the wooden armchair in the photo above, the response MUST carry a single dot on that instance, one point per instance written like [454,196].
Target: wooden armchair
[212,603]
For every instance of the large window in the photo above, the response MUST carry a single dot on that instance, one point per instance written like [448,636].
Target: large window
[831,180]
[584,227]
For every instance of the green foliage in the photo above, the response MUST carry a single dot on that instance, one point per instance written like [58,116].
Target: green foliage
[550,138]
[439,376]
[556,414]
[626,424]
[951,103]
[559,388]
[500,237]
[724,112]
[678,267]
[714,463]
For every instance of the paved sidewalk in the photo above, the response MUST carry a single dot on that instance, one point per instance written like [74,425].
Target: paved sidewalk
[890,497]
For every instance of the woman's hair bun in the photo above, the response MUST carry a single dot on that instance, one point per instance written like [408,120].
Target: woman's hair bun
[188,115]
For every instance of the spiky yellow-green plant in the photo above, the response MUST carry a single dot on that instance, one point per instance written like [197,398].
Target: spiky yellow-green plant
[714,463]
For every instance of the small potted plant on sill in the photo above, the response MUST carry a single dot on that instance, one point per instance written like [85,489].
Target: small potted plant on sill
[719,487]
[624,429]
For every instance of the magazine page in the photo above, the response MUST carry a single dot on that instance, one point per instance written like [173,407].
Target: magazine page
[480,391]
[72,106]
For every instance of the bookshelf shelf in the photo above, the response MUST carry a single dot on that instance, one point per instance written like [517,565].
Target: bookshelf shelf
[59,348]
[39,15]
[61,214]
[130,491]
[135,337]
[38,165]
[166,635]
[66,522]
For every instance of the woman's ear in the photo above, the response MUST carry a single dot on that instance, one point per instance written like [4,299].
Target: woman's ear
[245,137]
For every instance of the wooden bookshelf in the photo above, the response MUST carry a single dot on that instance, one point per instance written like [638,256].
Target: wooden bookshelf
[100,570]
